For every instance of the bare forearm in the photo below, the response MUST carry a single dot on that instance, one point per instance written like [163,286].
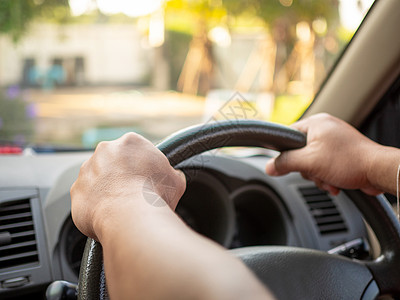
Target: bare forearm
[382,172]
[158,257]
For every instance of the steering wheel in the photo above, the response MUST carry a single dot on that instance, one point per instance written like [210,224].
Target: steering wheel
[289,272]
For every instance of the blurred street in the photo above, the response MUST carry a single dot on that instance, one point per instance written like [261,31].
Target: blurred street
[64,114]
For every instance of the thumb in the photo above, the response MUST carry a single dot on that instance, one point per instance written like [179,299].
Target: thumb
[270,168]
[286,162]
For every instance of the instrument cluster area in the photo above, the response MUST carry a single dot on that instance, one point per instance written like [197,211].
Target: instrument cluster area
[233,212]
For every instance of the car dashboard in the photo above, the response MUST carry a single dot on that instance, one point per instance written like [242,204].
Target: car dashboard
[228,199]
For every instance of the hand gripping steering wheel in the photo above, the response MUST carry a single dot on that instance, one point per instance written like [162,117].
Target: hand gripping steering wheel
[289,272]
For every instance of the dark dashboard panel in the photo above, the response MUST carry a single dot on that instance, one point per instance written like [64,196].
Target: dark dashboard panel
[232,212]
[229,200]
[261,217]
[206,207]
[285,210]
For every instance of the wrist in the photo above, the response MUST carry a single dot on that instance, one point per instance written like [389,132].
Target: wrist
[113,210]
[373,161]
[106,219]
[382,172]
[134,219]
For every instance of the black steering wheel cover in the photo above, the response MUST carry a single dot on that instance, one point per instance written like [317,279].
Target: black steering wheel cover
[181,146]
[90,276]
[198,139]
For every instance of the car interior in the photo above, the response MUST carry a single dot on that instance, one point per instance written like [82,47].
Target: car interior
[229,198]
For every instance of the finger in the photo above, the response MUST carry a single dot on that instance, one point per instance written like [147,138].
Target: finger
[331,189]
[278,166]
[181,174]
[286,162]
[270,168]
[318,183]
[305,176]
[372,191]
[301,125]
[182,185]
[292,161]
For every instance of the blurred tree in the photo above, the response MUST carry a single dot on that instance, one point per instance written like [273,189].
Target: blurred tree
[282,16]
[195,17]
[15,15]
[279,16]
[293,11]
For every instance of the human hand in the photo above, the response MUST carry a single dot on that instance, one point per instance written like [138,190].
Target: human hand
[336,156]
[119,176]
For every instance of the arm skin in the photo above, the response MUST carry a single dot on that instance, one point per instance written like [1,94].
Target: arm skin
[149,253]
[337,156]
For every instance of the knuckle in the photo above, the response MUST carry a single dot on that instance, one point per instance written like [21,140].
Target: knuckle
[130,137]
[323,115]
[102,145]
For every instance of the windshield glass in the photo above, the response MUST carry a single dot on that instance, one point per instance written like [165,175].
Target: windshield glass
[73,73]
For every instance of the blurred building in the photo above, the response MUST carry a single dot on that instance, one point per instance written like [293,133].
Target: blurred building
[77,54]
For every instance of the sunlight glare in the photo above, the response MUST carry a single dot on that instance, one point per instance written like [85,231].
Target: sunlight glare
[79,7]
[352,12]
[132,8]
[320,26]
[303,31]
[156,29]
[220,36]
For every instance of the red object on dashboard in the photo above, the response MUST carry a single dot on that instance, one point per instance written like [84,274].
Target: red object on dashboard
[10,150]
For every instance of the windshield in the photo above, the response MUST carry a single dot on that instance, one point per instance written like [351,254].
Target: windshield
[73,73]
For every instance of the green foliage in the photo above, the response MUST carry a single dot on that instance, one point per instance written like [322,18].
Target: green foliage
[272,10]
[289,108]
[15,15]
[181,15]
[185,13]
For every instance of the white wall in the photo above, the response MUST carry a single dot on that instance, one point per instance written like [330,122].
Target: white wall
[112,52]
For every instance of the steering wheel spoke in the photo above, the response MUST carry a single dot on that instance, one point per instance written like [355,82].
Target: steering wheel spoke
[298,273]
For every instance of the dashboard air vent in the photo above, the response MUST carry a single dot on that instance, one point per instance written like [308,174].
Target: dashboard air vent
[17,234]
[324,211]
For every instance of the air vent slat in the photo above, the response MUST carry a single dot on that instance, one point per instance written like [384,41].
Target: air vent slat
[15,207]
[328,219]
[325,204]
[15,256]
[324,211]
[14,246]
[316,198]
[16,216]
[17,219]
[332,228]
[15,225]
[22,234]
[311,192]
